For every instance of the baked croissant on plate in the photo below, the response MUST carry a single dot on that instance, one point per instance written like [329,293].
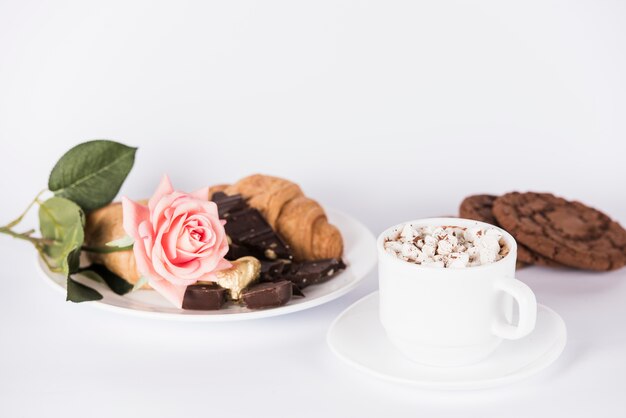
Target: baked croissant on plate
[300,221]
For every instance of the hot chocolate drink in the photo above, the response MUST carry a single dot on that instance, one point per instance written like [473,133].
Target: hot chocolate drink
[446,246]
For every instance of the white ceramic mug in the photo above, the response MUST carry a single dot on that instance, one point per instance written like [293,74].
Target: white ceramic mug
[452,317]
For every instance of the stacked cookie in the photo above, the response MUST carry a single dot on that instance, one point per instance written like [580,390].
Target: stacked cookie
[551,231]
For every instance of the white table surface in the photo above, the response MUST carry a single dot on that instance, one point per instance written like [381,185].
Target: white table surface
[386,110]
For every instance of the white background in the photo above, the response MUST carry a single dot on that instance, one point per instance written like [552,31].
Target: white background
[388,110]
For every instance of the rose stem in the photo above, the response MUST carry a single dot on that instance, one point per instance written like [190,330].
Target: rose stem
[106,250]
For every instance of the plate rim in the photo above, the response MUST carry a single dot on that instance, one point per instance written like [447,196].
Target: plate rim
[239,316]
[544,360]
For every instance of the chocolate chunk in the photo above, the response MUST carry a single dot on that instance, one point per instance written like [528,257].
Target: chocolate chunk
[296,291]
[272,245]
[248,228]
[246,224]
[236,251]
[307,273]
[268,295]
[227,204]
[204,297]
[272,271]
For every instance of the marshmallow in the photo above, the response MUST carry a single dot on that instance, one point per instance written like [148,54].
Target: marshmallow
[407,233]
[446,246]
[409,250]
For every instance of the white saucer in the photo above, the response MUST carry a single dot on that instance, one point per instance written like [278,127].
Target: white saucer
[358,338]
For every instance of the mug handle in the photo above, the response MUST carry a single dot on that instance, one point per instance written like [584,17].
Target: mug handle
[527,304]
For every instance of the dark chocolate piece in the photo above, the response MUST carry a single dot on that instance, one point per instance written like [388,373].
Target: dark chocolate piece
[272,271]
[271,245]
[268,295]
[245,224]
[296,291]
[307,273]
[204,297]
[236,251]
[248,228]
[227,204]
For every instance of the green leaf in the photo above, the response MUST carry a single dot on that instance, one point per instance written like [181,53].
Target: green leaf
[78,292]
[92,173]
[115,282]
[61,223]
[73,260]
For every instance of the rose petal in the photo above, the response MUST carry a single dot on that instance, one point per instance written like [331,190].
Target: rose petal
[202,194]
[223,265]
[170,238]
[174,293]
[208,277]
[133,214]
[165,188]
[141,248]
[164,265]
[165,209]
[193,206]
[185,274]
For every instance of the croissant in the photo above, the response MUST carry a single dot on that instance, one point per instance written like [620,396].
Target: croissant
[105,225]
[301,221]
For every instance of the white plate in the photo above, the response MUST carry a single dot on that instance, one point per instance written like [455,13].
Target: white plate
[359,256]
[358,338]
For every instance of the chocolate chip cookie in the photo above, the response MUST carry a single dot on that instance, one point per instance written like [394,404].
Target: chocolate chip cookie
[568,232]
[480,208]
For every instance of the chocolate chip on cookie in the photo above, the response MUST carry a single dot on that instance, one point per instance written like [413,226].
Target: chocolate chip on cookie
[568,232]
[480,207]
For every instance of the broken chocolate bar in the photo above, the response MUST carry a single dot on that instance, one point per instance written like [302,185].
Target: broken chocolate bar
[236,251]
[247,228]
[272,271]
[268,295]
[306,273]
[227,204]
[205,297]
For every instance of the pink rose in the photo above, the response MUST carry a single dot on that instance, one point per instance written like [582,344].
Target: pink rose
[179,239]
